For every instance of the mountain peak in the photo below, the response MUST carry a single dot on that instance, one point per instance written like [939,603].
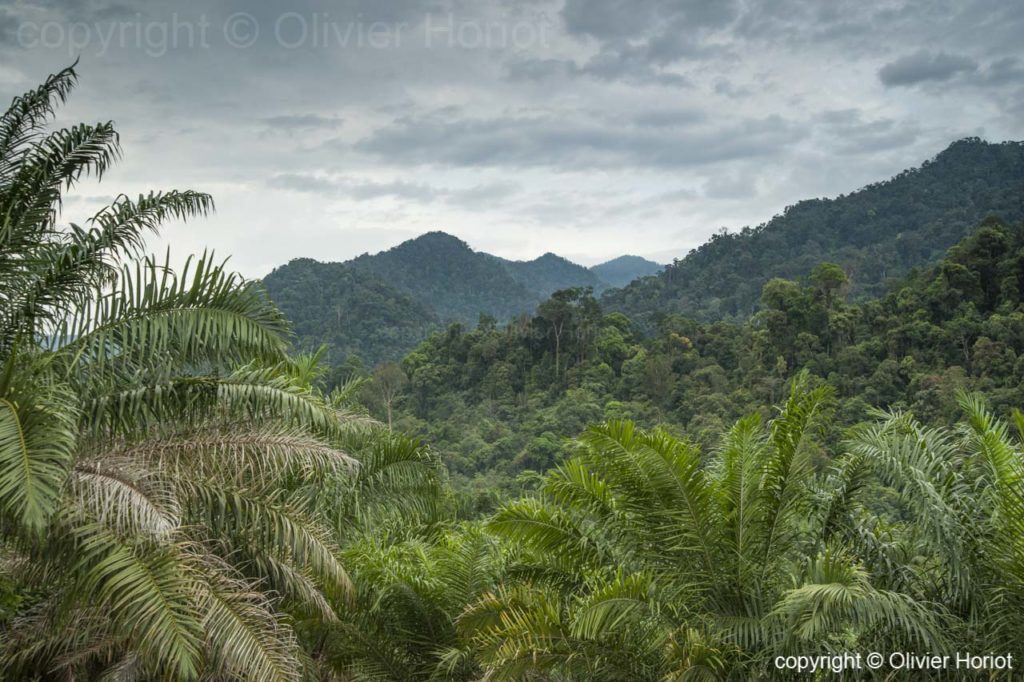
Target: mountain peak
[437,238]
[619,272]
[628,259]
[551,257]
[974,150]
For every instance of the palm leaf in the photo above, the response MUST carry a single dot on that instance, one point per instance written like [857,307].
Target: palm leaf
[146,592]
[37,436]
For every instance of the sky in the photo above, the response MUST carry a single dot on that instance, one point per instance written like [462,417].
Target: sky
[590,128]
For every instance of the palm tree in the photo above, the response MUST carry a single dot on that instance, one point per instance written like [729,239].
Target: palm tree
[960,538]
[414,568]
[639,560]
[156,442]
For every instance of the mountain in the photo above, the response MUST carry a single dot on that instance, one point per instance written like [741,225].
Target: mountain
[620,271]
[549,273]
[380,306]
[876,234]
[451,280]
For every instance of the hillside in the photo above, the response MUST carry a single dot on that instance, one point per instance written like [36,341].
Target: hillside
[620,271]
[876,234]
[380,306]
[353,312]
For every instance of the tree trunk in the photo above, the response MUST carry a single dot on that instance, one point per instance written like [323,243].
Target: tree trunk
[558,346]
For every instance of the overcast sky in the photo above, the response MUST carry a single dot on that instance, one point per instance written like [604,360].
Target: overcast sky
[590,128]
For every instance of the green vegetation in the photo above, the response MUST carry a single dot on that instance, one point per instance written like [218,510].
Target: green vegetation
[353,313]
[182,499]
[640,559]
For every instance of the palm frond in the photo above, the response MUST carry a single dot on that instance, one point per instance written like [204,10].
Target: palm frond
[274,525]
[125,498]
[838,595]
[245,639]
[154,315]
[547,531]
[146,592]
[37,436]
[55,162]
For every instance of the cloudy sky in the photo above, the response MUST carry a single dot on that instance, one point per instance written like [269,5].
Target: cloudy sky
[590,128]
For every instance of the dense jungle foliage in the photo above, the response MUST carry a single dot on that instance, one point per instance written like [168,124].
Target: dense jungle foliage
[498,400]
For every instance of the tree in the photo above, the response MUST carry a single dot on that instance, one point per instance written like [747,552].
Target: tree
[153,436]
[827,279]
[556,312]
[560,313]
[390,380]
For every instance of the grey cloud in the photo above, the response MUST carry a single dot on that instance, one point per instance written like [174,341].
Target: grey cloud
[617,19]
[356,189]
[630,64]
[1007,70]
[526,69]
[573,142]
[737,186]
[669,118]
[628,94]
[676,196]
[104,199]
[366,190]
[639,39]
[75,11]
[303,182]
[604,66]
[924,66]
[483,196]
[8,27]
[724,86]
[851,134]
[802,22]
[302,122]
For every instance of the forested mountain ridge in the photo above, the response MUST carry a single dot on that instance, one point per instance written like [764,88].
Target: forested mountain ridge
[876,234]
[380,306]
[444,274]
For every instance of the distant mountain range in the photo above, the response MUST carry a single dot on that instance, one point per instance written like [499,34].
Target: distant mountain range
[380,306]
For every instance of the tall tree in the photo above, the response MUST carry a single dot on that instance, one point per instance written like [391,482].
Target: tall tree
[390,380]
